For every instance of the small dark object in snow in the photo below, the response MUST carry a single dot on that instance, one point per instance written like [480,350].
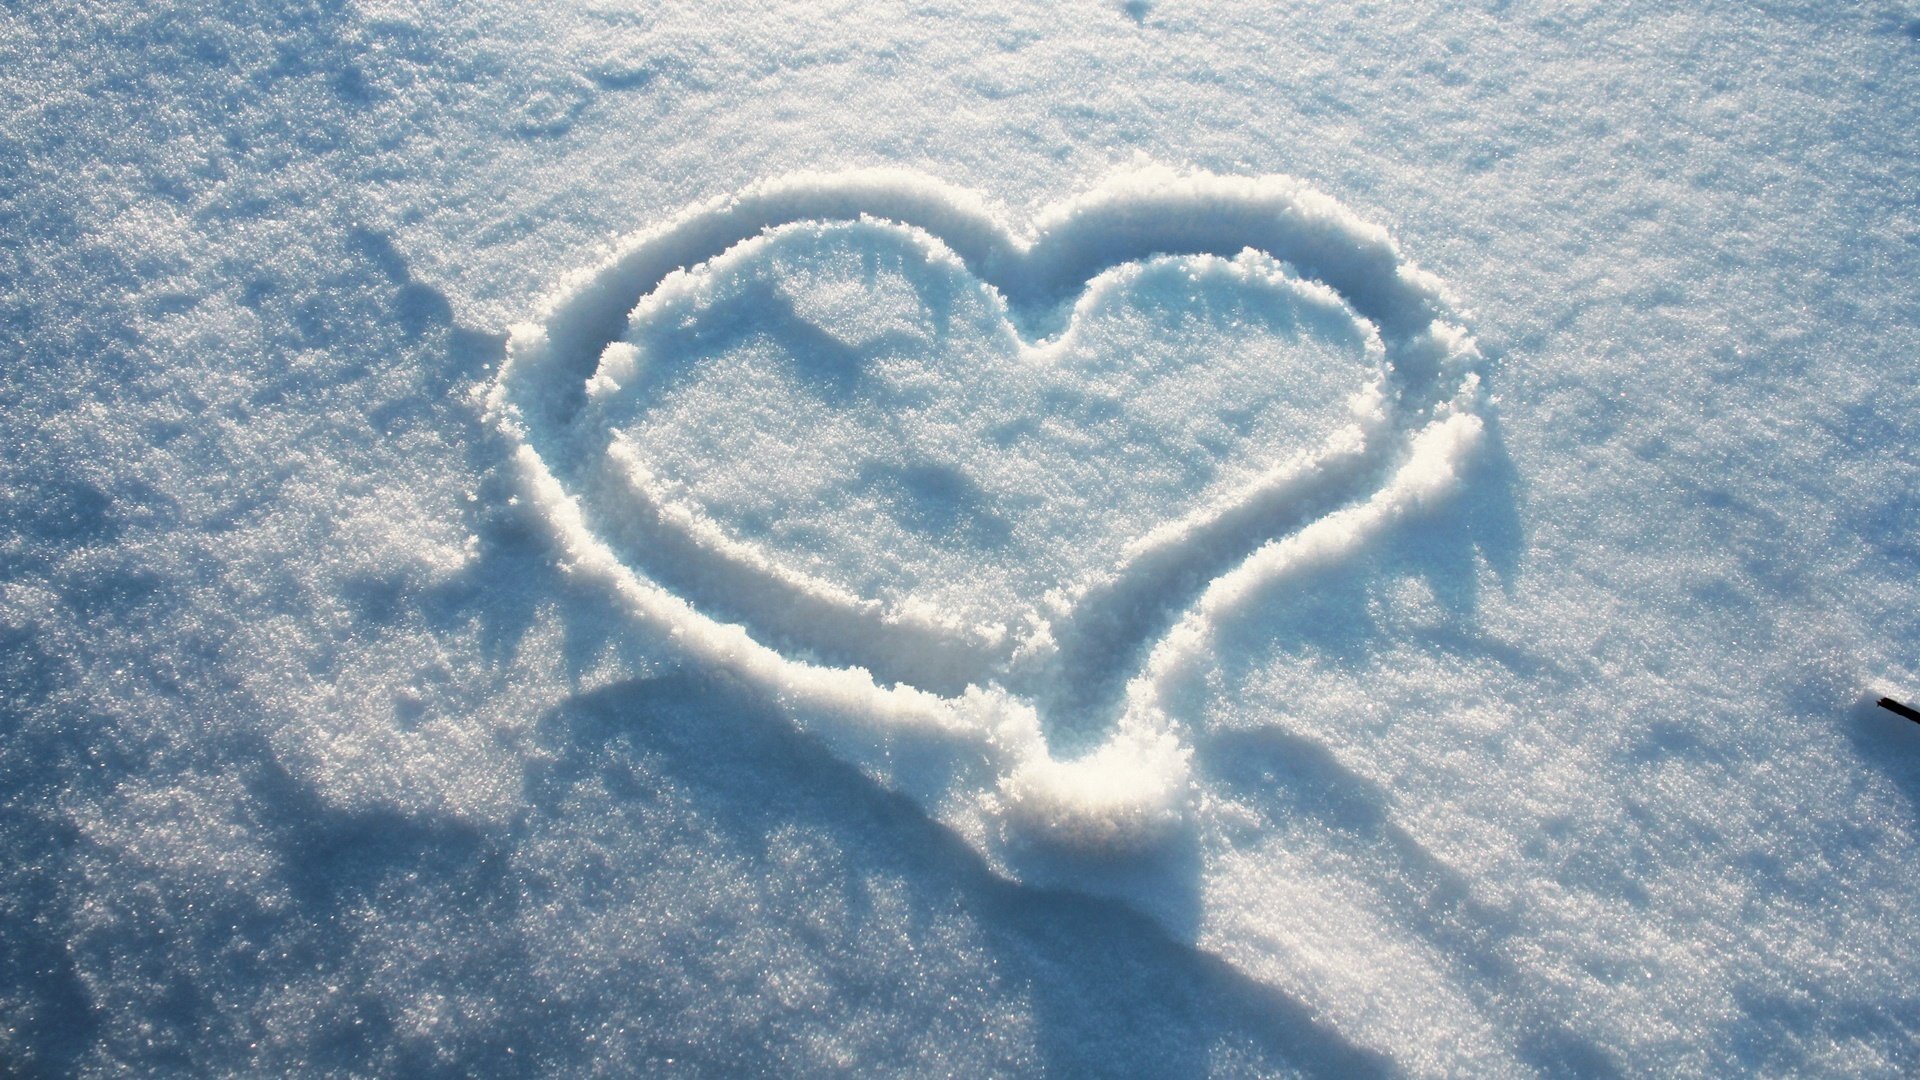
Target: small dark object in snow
[1895,707]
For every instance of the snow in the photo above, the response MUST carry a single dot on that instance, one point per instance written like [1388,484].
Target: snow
[1132,539]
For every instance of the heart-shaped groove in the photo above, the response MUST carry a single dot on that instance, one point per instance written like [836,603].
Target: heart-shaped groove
[1031,465]
[944,711]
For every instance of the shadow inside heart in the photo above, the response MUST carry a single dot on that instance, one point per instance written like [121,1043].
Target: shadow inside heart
[937,500]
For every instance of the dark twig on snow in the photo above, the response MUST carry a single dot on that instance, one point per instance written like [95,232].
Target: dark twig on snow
[1898,709]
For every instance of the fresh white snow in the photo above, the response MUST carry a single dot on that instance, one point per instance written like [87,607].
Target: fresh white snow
[1149,539]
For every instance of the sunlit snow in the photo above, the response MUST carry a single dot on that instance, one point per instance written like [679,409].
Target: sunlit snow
[1136,539]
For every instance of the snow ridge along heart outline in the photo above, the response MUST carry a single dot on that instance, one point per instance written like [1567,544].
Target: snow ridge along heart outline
[950,712]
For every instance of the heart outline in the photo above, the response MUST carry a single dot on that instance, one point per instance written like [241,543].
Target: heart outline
[980,760]
[923,645]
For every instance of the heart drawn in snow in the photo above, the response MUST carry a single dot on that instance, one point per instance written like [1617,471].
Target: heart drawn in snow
[965,499]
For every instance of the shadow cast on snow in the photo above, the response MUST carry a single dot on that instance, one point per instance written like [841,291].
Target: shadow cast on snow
[1292,777]
[1111,992]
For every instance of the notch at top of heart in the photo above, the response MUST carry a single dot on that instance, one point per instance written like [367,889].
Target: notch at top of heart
[1130,217]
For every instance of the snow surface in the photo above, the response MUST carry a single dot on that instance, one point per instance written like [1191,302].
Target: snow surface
[1135,539]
